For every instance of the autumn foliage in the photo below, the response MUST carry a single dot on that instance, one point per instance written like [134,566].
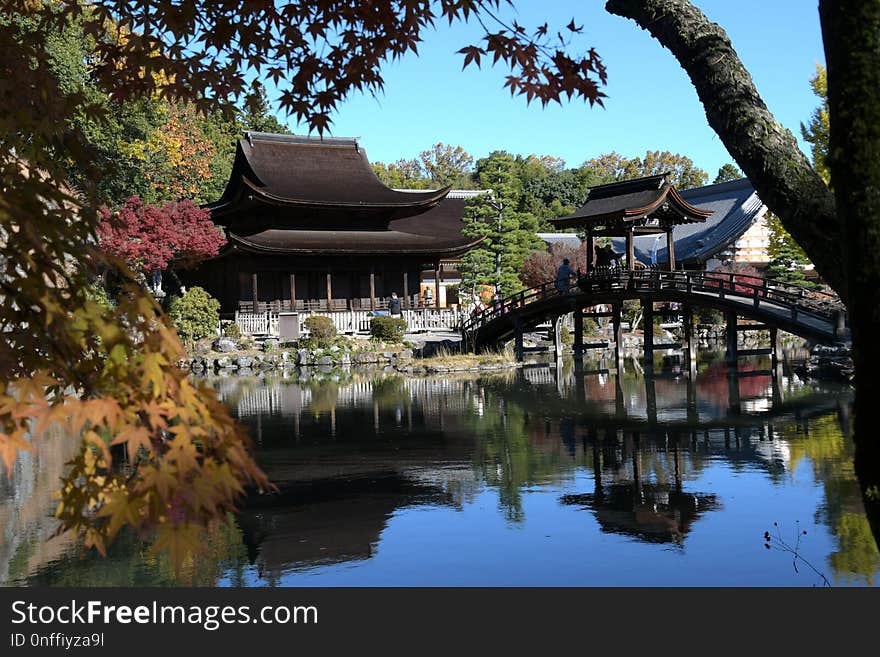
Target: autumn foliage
[541,265]
[152,238]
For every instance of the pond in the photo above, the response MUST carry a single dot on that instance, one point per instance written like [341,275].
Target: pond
[544,476]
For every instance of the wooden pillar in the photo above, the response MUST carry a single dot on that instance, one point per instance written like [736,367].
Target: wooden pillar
[690,343]
[630,249]
[733,390]
[616,309]
[293,291]
[590,252]
[518,341]
[648,331]
[650,396]
[405,289]
[670,249]
[692,415]
[372,289]
[255,292]
[329,291]
[578,345]
[437,286]
[731,338]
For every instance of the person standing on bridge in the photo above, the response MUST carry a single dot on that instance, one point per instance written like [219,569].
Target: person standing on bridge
[563,277]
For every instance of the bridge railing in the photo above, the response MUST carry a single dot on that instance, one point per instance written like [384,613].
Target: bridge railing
[796,299]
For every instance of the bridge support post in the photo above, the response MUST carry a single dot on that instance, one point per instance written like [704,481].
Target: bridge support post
[578,333]
[648,332]
[731,338]
[619,405]
[690,347]
[650,397]
[692,400]
[518,341]
[618,338]
[733,390]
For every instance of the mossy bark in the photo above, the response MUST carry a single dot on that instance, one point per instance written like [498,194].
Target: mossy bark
[851,32]
[766,151]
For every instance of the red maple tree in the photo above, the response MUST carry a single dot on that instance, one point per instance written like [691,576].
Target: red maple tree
[152,238]
[540,266]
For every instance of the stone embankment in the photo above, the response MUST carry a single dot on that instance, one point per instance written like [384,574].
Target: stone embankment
[828,363]
[229,356]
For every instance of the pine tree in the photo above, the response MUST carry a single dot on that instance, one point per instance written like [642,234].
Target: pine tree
[510,235]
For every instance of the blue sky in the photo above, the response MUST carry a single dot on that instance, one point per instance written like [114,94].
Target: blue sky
[651,103]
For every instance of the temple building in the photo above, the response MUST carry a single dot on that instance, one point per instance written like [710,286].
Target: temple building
[310,227]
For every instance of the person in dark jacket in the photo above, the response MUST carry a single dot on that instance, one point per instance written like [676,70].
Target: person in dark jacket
[394,305]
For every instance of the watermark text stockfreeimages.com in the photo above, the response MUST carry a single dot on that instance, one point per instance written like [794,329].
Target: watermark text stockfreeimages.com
[209,617]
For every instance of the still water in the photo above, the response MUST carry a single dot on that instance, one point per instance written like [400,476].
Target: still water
[539,476]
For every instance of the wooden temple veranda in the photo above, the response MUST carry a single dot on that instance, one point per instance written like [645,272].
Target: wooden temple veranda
[311,228]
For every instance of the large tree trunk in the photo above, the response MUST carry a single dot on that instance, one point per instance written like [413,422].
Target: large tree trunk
[851,32]
[766,151]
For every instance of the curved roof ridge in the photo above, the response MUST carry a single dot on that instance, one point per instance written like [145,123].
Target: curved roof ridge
[301,171]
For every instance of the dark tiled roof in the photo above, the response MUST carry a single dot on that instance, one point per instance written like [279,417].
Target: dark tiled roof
[296,171]
[631,199]
[434,232]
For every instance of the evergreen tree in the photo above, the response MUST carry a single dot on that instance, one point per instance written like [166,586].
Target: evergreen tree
[727,173]
[788,261]
[818,130]
[510,234]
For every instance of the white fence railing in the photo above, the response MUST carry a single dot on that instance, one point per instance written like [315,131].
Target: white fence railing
[352,321]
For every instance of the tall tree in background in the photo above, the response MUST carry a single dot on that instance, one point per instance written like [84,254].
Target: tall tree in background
[818,131]
[788,262]
[402,174]
[727,173]
[509,232]
[446,165]
[613,167]
[436,167]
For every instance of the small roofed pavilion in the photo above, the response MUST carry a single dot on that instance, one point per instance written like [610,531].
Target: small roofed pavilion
[643,206]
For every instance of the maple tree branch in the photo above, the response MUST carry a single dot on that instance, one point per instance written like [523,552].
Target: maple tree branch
[766,151]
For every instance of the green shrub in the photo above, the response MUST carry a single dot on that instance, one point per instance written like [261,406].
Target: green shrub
[98,293]
[195,315]
[388,329]
[565,335]
[231,330]
[321,329]
[708,316]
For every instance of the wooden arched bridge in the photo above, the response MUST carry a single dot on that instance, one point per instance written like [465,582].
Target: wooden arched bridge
[813,315]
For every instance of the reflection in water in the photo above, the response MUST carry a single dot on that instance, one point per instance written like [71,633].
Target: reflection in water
[543,475]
